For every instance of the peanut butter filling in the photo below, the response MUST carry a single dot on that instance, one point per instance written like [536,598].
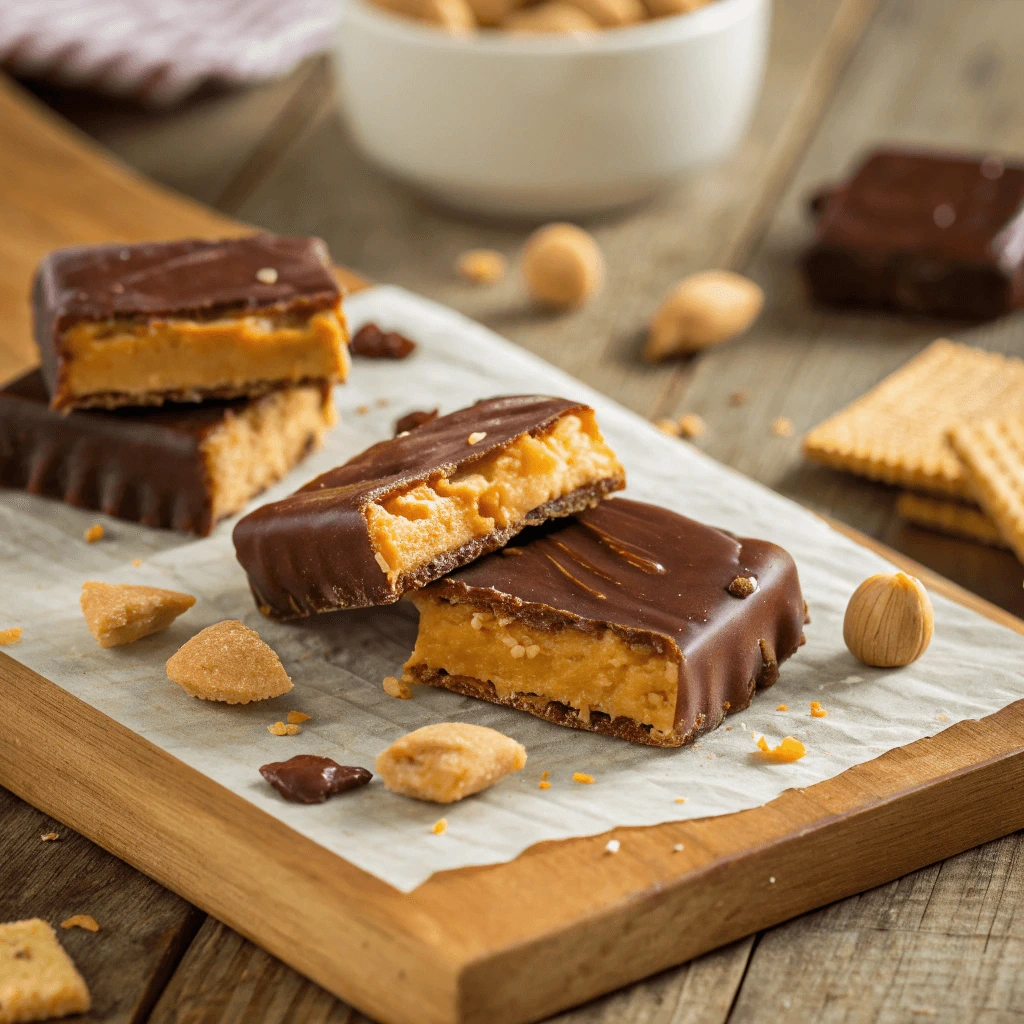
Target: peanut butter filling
[255,448]
[411,528]
[586,670]
[178,356]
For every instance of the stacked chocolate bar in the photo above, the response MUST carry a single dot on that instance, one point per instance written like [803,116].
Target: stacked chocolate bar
[178,379]
[613,616]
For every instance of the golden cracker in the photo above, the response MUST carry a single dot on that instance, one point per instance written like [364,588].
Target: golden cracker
[897,432]
[38,981]
[951,517]
[992,452]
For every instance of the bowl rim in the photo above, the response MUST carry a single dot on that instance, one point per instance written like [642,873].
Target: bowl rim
[714,17]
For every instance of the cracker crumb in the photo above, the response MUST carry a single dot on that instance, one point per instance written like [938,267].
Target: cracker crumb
[382,403]
[38,980]
[280,729]
[782,427]
[583,778]
[782,707]
[440,827]
[49,837]
[94,533]
[297,717]
[680,800]
[398,688]
[476,437]
[266,275]
[738,398]
[817,711]
[612,846]
[362,410]
[677,848]
[10,636]
[545,775]
[790,749]
[667,426]
[381,561]
[691,425]
[482,266]
[942,718]
[543,784]
[84,921]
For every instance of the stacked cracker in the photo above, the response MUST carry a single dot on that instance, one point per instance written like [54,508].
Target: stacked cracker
[949,425]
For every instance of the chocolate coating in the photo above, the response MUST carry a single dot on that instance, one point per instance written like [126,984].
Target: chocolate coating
[658,579]
[311,552]
[920,231]
[414,419]
[195,279]
[309,779]
[145,465]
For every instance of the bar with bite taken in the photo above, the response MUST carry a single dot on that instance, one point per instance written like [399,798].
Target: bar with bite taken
[412,508]
[628,620]
[184,321]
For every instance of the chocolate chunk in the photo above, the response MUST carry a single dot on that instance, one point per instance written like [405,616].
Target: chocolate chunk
[618,620]
[371,342]
[412,508]
[175,467]
[309,779]
[924,232]
[121,325]
[414,419]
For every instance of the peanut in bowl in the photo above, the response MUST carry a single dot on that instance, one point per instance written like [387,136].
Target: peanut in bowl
[549,124]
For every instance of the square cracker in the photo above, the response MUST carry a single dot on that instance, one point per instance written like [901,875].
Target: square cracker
[951,517]
[992,452]
[38,981]
[897,432]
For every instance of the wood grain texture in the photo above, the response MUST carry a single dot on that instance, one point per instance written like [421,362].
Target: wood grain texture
[805,363]
[143,928]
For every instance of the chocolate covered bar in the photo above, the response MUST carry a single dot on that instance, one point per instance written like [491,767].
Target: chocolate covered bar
[180,466]
[628,620]
[410,509]
[923,232]
[185,321]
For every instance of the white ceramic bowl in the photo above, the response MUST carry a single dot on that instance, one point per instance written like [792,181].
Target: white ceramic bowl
[549,126]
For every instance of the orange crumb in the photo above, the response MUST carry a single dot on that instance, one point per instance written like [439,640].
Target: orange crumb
[49,837]
[280,729]
[297,717]
[582,777]
[10,636]
[789,749]
[782,707]
[680,799]
[94,533]
[81,921]
[543,784]
[782,427]
[440,827]
[817,711]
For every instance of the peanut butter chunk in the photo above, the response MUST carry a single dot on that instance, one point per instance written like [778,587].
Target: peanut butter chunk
[448,762]
[120,613]
[228,662]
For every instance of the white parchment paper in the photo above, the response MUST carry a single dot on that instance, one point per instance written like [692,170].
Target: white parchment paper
[972,668]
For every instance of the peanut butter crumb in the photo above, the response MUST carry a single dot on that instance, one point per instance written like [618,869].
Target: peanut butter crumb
[782,707]
[782,427]
[440,827]
[817,711]
[583,778]
[49,837]
[94,533]
[280,729]
[10,636]
[266,275]
[667,426]
[691,425]
[476,437]
[297,717]
[543,784]
[81,921]
[398,688]
[790,749]
[136,562]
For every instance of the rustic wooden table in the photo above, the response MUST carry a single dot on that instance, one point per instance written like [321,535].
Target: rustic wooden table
[946,942]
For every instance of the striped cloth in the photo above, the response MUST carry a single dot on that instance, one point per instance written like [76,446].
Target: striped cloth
[159,51]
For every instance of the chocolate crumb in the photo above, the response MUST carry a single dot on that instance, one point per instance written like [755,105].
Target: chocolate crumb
[742,586]
[309,779]
[414,419]
[371,342]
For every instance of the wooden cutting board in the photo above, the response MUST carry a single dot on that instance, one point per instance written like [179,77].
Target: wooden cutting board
[495,945]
